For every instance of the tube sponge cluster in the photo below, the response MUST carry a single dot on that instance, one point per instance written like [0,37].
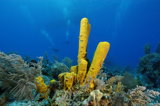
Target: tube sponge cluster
[80,73]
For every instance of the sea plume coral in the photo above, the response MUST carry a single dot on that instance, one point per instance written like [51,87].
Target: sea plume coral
[23,90]
[17,77]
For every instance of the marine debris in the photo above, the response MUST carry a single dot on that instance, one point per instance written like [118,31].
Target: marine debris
[46,83]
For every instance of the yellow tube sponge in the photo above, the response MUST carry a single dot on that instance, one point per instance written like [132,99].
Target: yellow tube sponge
[97,62]
[41,86]
[80,73]
[67,79]
[82,70]
[83,38]
[74,69]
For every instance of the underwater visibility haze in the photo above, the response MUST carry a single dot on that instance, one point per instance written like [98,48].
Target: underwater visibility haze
[35,27]
[53,52]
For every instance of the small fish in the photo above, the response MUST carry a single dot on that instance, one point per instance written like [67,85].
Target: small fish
[55,49]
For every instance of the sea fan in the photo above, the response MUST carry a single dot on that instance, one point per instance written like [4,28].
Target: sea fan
[17,77]
[23,90]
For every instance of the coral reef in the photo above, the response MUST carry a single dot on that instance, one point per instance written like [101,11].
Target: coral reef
[46,83]
[141,96]
[149,68]
[129,81]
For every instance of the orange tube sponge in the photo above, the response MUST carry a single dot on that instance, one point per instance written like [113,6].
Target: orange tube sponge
[97,62]
[83,38]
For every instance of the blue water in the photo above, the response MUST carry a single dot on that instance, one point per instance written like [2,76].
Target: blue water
[35,27]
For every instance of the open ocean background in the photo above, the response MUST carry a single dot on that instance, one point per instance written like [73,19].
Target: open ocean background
[36,27]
